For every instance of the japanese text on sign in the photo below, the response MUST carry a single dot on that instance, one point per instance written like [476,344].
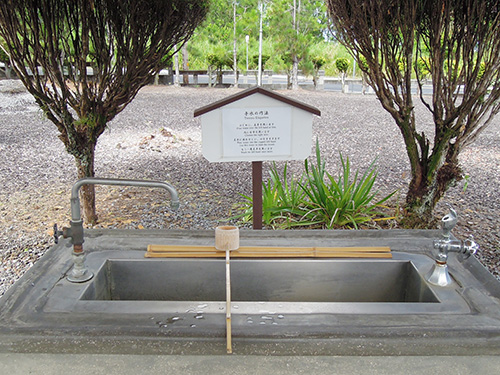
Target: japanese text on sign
[256,131]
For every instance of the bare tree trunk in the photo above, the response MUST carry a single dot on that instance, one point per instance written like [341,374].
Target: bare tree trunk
[85,168]
[8,71]
[219,77]
[364,83]
[295,73]
[176,65]
[259,68]
[433,171]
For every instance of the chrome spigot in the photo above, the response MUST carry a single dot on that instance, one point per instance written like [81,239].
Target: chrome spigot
[439,274]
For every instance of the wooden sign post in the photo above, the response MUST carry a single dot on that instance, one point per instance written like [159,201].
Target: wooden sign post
[257,194]
[256,125]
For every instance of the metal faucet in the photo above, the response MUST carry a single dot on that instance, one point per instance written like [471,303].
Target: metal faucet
[80,273]
[439,274]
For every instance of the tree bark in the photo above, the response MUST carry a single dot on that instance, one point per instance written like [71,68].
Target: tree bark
[432,175]
[424,193]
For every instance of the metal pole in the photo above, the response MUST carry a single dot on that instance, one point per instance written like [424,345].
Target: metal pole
[259,73]
[235,64]
[257,194]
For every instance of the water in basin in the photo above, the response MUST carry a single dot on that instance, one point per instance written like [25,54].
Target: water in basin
[254,280]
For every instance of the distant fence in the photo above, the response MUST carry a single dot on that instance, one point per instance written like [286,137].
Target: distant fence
[270,79]
[227,78]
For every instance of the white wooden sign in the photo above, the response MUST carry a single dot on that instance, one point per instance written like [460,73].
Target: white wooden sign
[256,125]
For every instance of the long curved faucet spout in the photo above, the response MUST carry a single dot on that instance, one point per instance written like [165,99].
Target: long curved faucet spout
[79,272]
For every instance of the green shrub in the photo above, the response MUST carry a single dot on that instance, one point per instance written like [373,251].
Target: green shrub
[3,56]
[255,60]
[342,64]
[318,62]
[363,64]
[219,61]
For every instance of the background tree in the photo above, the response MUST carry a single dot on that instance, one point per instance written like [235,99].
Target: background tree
[53,43]
[294,25]
[222,28]
[223,32]
[318,62]
[217,62]
[342,65]
[455,39]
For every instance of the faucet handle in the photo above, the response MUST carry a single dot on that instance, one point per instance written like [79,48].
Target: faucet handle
[55,233]
[469,248]
[448,222]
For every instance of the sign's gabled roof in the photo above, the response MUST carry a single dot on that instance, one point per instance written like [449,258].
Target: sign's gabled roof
[254,90]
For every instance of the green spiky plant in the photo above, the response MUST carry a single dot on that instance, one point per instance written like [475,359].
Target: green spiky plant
[317,199]
[346,200]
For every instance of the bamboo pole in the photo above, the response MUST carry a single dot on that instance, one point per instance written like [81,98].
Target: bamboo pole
[173,251]
[229,345]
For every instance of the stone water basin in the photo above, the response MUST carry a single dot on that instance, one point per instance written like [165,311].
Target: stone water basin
[310,306]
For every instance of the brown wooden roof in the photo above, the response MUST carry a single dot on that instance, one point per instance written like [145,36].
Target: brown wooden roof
[254,90]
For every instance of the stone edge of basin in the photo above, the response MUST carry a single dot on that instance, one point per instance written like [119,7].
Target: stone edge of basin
[16,336]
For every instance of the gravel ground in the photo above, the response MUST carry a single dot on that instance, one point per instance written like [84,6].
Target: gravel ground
[156,137]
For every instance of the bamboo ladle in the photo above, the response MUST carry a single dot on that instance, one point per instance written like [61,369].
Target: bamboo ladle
[227,238]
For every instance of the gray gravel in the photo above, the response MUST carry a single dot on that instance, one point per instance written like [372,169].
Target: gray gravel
[156,137]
